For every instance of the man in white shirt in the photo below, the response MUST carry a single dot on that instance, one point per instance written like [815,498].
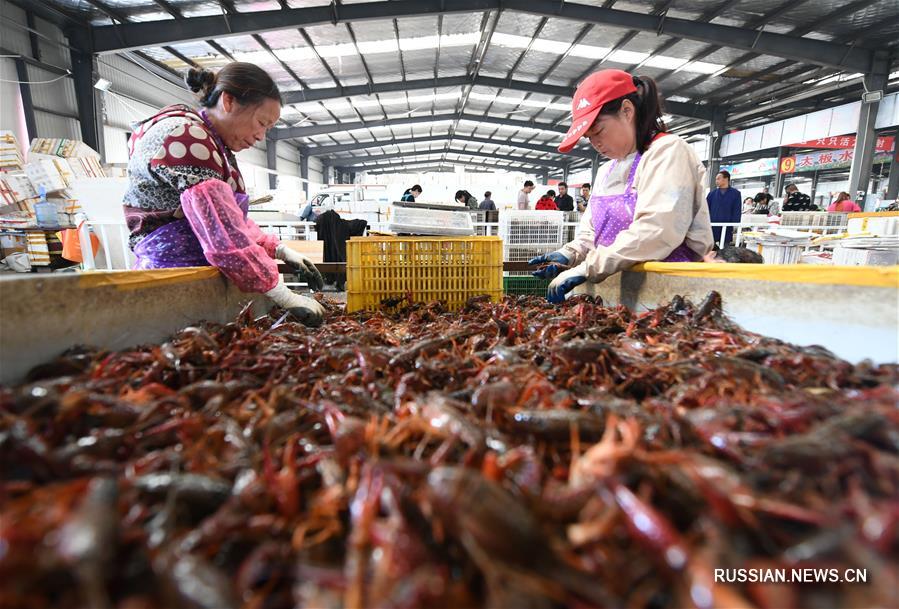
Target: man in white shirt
[523,202]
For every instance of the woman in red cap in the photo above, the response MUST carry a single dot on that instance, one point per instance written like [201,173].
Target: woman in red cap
[647,203]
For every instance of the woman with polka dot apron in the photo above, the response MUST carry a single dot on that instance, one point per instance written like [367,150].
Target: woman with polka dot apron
[648,201]
[186,204]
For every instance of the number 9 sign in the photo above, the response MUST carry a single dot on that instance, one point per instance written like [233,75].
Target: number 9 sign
[787,164]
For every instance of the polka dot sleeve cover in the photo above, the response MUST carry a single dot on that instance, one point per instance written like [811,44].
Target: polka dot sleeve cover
[227,241]
[186,157]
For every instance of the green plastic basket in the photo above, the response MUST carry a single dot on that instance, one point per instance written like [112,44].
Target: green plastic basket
[525,286]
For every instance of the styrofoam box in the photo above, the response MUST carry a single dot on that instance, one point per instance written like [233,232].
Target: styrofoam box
[778,254]
[430,221]
[853,256]
[876,225]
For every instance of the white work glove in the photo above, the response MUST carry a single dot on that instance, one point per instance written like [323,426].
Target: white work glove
[308,311]
[302,266]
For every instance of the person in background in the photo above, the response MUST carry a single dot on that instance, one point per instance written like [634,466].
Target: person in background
[523,195]
[487,203]
[547,201]
[748,204]
[411,194]
[844,203]
[797,201]
[308,215]
[186,203]
[564,202]
[584,197]
[647,204]
[724,205]
[465,198]
[764,204]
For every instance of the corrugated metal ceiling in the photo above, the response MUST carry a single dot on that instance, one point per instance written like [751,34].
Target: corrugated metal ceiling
[433,46]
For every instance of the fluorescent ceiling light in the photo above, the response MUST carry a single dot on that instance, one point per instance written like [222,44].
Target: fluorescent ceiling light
[665,63]
[703,67]
[587,51]
[366,47]
[518,101]
[627,57]
[839,77]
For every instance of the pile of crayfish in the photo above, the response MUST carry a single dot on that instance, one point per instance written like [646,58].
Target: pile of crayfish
[511,455]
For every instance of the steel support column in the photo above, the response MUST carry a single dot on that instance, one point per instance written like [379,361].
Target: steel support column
[565,171]
[815,190]
[90,102]
[893,180]
[32,36]
[27,103]
[778,177]
[271,162]
[865,138]
[716,133]
[304,169]
[594,167]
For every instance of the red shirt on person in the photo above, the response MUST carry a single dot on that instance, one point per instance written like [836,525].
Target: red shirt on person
[546,203]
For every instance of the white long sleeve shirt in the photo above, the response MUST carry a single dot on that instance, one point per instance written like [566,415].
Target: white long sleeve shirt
[670,210]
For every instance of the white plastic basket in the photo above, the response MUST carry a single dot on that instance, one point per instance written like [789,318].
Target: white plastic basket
[530,233]
[854,256]
[531,228]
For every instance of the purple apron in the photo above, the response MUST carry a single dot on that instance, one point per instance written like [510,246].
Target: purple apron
[612,214]
[175,244]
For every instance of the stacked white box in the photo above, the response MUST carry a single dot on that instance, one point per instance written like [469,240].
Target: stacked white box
[529,233]
[61,147]
[10,159]
[883,224]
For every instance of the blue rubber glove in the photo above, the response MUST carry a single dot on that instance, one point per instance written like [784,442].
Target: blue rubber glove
[552,270]
[564,283]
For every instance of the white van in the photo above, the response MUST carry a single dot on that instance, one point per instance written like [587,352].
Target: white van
[354,201]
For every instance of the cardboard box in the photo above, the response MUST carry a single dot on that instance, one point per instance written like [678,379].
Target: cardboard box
[10,158]
[314,250]
[62,148]
[11,244]
[49,174]
[20,186]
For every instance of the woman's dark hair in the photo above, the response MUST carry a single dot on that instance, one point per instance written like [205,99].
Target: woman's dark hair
[247,82]
[843,196]
[416,187]
[763,196]
[550,193]
[648,104]
[460,194]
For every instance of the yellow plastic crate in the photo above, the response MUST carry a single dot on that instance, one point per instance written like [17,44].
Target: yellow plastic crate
[424,269]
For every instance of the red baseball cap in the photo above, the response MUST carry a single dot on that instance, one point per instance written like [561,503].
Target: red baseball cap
[597,89]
